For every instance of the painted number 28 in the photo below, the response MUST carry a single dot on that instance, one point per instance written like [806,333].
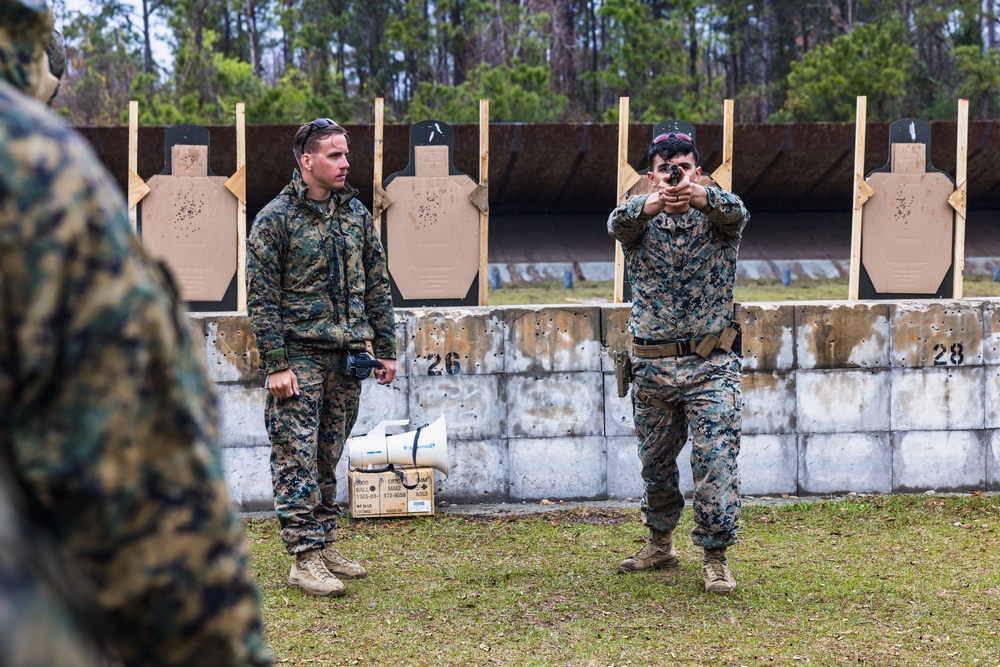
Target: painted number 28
[955,358]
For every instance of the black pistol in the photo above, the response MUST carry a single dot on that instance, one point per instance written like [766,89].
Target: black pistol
[675,174]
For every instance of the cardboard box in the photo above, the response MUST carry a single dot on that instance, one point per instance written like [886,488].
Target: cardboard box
[378,494]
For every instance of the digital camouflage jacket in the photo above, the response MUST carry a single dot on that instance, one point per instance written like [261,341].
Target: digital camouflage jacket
[317,280]
[107,417]
[681,268]
[26,29]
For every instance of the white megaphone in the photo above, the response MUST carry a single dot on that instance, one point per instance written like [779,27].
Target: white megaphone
[427,446]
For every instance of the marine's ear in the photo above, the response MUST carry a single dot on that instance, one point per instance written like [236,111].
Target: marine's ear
[46,84]
[56,53]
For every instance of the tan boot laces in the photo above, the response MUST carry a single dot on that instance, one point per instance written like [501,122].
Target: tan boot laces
[716,569]
[337,557]
[317,568]
[648,550]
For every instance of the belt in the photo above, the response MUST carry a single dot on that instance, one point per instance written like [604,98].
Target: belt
[656,349]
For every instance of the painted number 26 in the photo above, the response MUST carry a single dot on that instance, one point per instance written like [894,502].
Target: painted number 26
[955,358]
[451,365]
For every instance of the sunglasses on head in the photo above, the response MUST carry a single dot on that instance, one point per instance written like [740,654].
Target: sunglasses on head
[317,124]
[673,135]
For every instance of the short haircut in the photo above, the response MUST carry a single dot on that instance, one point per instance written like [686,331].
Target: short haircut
[309,136]
[670,147]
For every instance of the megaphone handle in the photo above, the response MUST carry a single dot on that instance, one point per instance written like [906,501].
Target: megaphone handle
[402,479]
[416,439]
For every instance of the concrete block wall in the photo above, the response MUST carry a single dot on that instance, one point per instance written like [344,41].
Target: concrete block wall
[838,397]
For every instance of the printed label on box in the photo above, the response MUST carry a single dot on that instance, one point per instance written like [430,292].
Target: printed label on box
[373,494]
[415,506]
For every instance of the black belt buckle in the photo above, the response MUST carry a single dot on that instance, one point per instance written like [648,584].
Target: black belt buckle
[646,341]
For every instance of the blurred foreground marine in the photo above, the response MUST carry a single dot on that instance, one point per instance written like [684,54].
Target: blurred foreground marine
[680,245]
[109,455]
[39,624]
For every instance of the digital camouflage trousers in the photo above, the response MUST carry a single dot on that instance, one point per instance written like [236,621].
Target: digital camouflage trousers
[705,398]
[307,434]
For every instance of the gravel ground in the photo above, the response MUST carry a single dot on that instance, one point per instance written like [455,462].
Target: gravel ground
[506,509]
[628,503]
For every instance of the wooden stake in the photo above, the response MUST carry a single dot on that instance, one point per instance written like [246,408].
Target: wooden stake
[627,177]
[137,188]
[378,202]
[484,216]
[862,193]
[724,174]
[959,199]
[241,211]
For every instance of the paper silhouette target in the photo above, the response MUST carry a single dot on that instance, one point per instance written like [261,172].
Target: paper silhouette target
[432,226]
[908,224]
[189,221]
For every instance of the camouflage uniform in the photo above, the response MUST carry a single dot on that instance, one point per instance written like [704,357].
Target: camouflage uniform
[39,626]
[682,268]
[317,285]
[107,419]
[27,42]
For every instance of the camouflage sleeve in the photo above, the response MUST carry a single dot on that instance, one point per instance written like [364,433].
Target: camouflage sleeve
[35,599]
[627,223]
[726,211]
[107,411]
[378,297]
[264,291]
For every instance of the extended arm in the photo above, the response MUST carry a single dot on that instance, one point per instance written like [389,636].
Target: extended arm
[629,221]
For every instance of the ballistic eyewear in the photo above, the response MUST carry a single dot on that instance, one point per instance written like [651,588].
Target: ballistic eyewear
[317,124]
[673,135]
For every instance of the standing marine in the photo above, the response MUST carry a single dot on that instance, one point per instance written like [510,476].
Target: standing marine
[680,245]
[118,543]
[321,312]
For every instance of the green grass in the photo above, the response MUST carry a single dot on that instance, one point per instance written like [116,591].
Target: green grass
[552,292]
[757,291]
[884,580]
[746,291]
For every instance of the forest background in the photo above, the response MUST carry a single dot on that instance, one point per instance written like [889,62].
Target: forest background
[535,60]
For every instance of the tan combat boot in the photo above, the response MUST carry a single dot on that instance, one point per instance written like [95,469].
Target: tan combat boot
[344,568]
[310,574]
[715,570]
[658,552]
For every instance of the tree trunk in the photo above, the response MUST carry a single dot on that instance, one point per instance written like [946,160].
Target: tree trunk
[286,39]
[990,23]
[693,50]
[252,38]
[147,48]
[198,22]
[767,47]
[458,46]
[594,50]
[563,48]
